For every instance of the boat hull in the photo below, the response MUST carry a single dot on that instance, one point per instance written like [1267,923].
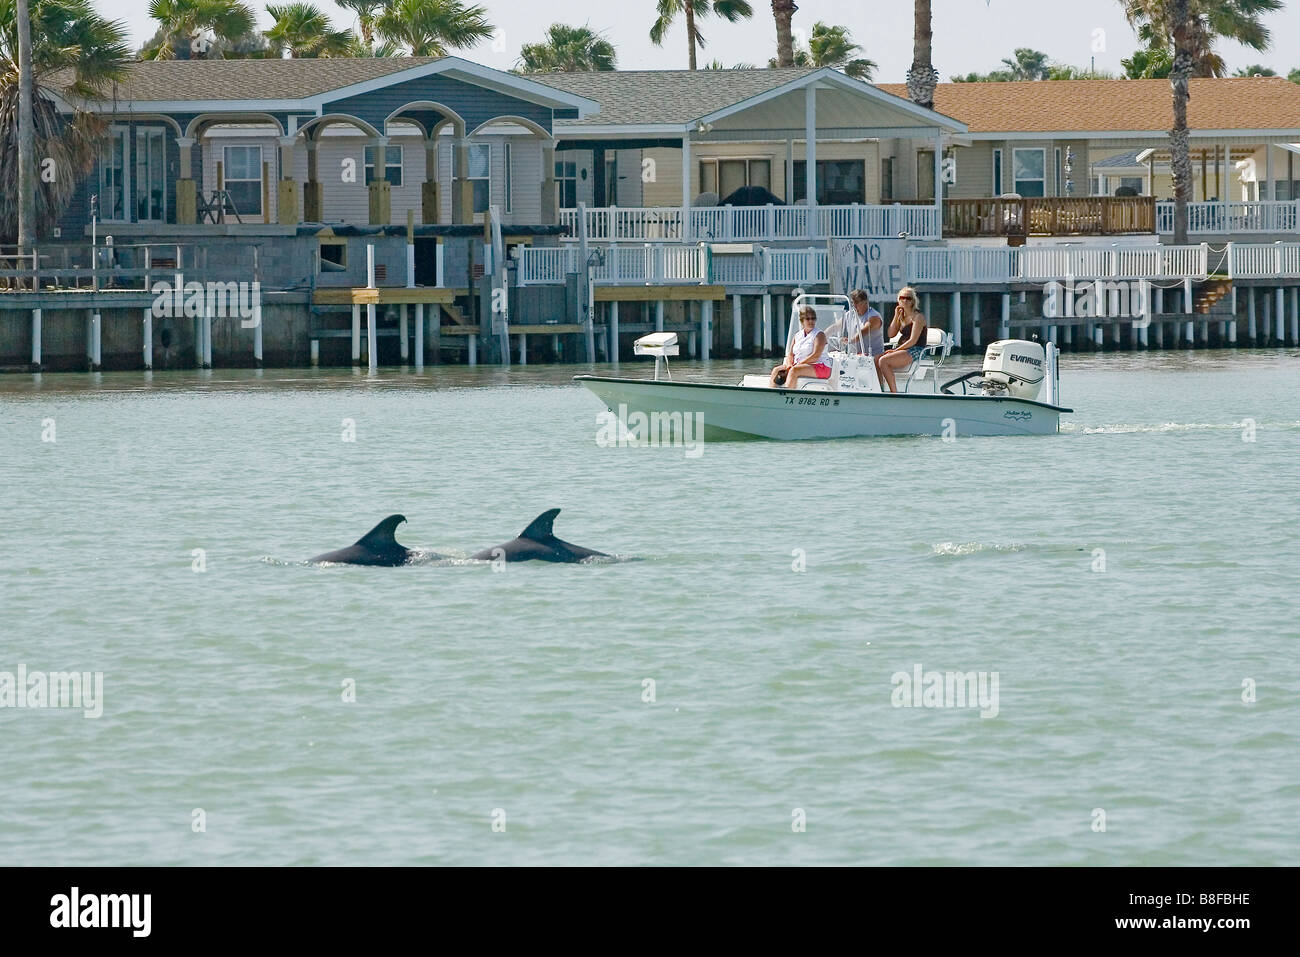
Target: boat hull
[735,412]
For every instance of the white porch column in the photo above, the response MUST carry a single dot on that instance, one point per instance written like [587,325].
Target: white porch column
[686,185]
[810,154]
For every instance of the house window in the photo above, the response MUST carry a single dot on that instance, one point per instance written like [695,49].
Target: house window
[150,174]
[1134,183]
[611,179]
[480,174]
[392,165]
[1059,180]
[566,183]
[839,182]
[1098,186]
[113,176]
[925,184]
[333,255]
[997,172]
[887,179]
[510,182]
[1028,166]
[243,175]
[725,176]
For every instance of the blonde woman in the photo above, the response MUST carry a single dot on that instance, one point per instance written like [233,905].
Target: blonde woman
[908,323]
[806,355]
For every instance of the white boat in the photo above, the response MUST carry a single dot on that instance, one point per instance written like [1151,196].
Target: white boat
[1005,400]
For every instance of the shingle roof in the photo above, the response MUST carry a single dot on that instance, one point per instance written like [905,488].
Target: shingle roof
[651,97]
[173,80]
[1048,106]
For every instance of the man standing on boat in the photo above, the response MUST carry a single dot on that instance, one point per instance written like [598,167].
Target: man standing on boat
[871,325]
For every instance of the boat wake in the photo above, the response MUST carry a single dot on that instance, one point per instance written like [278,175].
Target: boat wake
[1118,429]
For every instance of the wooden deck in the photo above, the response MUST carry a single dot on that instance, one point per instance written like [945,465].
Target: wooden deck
[385,295]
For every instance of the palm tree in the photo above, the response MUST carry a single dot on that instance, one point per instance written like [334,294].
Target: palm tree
[1150,63]
[184,23]
[731,10]
[1190,27]
[1256,69]
[69,36]
[302,30]
[1027,64]
[922,77]
[26,138]
[430,27]
[783,14]
[367,12]
[832,47]
[568,50]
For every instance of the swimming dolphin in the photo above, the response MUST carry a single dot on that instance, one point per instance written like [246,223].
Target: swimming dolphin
[376,547]
[537,542]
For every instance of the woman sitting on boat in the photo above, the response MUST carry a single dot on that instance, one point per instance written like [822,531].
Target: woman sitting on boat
[806,355]
[909,324]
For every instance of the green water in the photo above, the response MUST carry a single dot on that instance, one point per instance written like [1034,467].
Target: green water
[1123,580]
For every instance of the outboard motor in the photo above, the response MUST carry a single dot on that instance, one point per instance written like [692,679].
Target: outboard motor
[1014,367]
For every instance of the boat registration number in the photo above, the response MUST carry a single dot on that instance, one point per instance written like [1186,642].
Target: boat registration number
[810,400]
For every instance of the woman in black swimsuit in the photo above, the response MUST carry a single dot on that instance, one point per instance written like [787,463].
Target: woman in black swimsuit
[910,324]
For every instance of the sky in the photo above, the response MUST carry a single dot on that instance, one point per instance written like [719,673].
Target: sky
[969,35]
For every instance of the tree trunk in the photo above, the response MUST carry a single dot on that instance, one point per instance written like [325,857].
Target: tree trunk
[922,77]
[689,7]
[783,13]
[26,133]
[1180,157]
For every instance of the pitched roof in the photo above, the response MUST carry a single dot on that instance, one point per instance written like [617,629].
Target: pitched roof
[653,97]
[1049,106]
[179,80]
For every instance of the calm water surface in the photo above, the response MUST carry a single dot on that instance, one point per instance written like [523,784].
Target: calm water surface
[1122,579]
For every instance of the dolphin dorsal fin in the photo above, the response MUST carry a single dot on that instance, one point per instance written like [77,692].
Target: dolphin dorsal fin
[539,529]
[381,535]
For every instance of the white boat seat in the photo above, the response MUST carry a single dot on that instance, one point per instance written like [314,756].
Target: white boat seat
[938,344]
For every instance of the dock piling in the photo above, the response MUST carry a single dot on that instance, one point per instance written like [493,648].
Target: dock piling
[93,327]
[257,335]
[356,334]
[36,340]
[419,337]
[147,336]
[736,335]
[403,332]
[611,352]
[767,323]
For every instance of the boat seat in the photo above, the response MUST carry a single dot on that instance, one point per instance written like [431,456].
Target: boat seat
[938,344]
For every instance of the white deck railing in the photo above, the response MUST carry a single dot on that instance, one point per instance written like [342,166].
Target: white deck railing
[754,223]
[660,264]
[1264,260]
[1263,216]
[951,264]
[644,264]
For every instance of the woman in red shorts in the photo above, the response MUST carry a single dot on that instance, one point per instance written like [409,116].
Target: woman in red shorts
[807,353]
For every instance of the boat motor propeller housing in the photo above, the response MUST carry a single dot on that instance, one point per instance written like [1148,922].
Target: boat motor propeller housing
[1013,367]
